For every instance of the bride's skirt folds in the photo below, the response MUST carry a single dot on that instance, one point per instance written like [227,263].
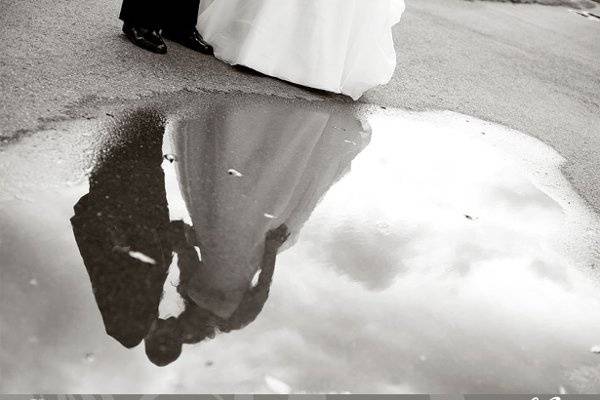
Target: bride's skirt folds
[342,46]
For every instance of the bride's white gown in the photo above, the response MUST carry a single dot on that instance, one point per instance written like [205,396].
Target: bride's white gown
[342,46]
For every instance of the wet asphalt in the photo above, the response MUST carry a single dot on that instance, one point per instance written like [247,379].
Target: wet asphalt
[531,68]
[481,242]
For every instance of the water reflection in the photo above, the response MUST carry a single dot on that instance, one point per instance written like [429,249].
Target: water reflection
[284,159]
[446,260]
[124,212]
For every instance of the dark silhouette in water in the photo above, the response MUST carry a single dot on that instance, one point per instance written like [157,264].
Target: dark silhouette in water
[290,156]
[126,240]
[126,210]
[195,324]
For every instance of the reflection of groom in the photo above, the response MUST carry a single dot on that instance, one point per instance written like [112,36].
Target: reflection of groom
[126,239]
[144,20]
[126,211]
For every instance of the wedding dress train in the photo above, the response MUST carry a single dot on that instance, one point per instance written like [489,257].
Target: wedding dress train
[342,46]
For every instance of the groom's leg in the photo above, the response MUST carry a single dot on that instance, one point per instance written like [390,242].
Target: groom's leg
[180,16]
[145,13]
[179,24]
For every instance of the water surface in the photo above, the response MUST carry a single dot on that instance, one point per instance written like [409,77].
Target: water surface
[398,252]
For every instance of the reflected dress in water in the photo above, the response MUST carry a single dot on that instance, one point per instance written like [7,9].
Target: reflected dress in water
[342,46]
[285,158]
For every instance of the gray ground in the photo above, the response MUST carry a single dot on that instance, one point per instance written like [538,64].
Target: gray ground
[533,68]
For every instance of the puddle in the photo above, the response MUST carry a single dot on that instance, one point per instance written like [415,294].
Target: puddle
[254,245]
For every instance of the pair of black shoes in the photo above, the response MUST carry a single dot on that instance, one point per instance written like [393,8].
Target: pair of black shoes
[151,39]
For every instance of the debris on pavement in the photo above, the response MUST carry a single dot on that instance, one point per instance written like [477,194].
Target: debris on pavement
[255,278]
[135,254]
[234,172]
[142,257]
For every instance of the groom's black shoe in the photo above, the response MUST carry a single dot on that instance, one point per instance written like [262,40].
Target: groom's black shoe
[148,39]
[192,40]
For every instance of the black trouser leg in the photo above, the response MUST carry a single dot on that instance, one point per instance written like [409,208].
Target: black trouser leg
[180,16]
[143,13]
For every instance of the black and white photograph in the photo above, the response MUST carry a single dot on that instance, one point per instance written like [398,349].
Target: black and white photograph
[300,197]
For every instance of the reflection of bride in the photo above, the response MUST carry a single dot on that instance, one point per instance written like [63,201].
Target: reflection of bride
[288,158]
[247,168]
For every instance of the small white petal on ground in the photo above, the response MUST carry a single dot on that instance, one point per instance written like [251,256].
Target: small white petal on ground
[142,257]
[277,386]
[595,349]
[254,281]
[234,172]
[270,216]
